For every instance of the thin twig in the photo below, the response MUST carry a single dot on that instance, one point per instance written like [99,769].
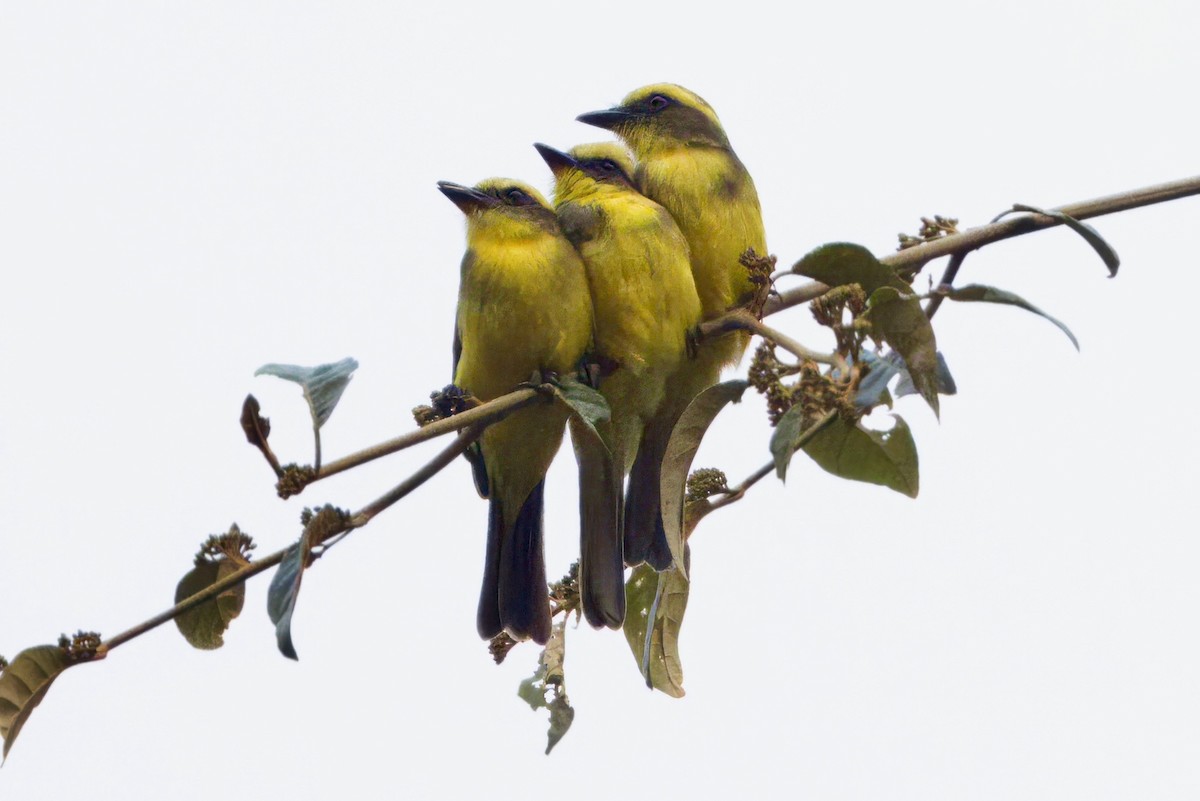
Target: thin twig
[914,258]
[951,272]
[911,260]
[795,297]
[744,320]
[359,519]
[737,493]
[445,457]
[489,412]
[192,601]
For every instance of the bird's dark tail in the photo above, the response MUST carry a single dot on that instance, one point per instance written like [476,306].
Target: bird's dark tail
[487,618]
[601,567]
[514,595]
[474,455]
[645,538]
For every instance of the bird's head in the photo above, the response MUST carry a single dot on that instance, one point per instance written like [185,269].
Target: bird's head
[603,163]
[661,116]
[501,205]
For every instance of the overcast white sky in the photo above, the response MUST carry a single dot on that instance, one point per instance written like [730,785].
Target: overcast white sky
[187,193]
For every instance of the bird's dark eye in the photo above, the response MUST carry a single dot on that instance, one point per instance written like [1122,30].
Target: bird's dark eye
[609,166]
[658,102]
[518,198]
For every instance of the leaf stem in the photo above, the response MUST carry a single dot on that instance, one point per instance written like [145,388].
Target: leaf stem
[317,446]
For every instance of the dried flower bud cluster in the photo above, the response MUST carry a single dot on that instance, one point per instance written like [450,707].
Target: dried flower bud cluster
[706,482]
[931,229]
[294,479]
[841,310]
[565,592]
[233,544]
[760,269]
[499,646]
[446,402]
[82,647]
[815,391]
[324,522]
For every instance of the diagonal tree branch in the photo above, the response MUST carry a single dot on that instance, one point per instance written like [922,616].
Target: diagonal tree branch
[358,519]
[913,259]
[485,413]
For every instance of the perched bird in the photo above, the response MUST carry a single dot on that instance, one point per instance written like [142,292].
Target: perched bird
[685,163]
[645,302]
[523,309]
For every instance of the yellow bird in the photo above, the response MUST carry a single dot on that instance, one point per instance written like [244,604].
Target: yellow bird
[645,304]
[523,308]
[685,163]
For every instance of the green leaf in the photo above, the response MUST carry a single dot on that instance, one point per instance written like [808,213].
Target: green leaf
[895,313]
[786,431]
[788,435]
[204,626]
[655,604]
[897,316]
[990,294]
[681,449]
[588,404]
[1089,234]
[323,385]
[841,263]
[849,450]
[549,679]
[23,685]
[282,594]
[321,527]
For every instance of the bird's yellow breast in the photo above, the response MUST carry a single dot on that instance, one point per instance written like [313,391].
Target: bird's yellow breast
[641,281]
[523,306]
[713,199]
[643,294]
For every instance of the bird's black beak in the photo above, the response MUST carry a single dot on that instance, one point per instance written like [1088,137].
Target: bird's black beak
[466,198]
[558,161]
[609,120]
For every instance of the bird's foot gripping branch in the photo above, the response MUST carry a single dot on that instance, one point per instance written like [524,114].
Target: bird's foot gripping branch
[882,348]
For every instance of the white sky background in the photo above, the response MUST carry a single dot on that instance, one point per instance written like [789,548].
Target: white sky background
[188,193]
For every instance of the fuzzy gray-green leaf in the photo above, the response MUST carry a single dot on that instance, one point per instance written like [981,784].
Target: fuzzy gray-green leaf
[323,385]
